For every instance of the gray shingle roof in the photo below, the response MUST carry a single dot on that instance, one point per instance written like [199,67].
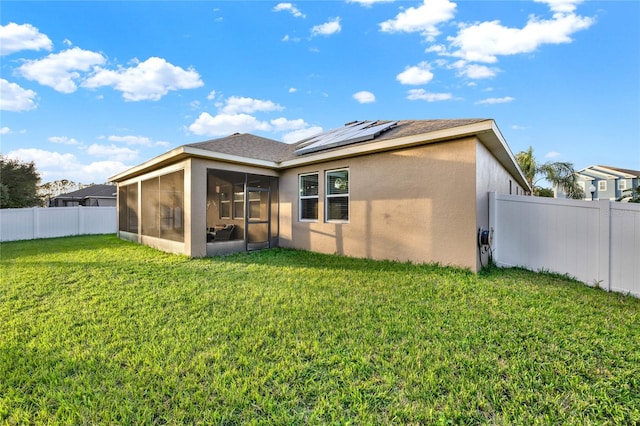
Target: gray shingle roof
[246,145]
[416,127]
[628,171]
[91,191]
[256,147]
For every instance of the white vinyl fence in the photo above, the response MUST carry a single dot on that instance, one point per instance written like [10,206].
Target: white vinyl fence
[597,242]
[33,223]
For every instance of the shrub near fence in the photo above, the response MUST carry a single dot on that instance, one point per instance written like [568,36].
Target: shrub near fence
[597,242]
[33,223]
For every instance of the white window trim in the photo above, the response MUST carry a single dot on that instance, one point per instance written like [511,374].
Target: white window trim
[602,185]
[308,197]
[622,184]
[327,196]
[228,203]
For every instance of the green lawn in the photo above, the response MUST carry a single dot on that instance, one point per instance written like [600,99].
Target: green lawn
[95,330]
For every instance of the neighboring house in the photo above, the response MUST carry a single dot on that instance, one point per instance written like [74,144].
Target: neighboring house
[91,196]
[414,190]
[607,183]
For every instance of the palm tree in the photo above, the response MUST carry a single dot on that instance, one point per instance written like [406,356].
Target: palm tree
[560,174]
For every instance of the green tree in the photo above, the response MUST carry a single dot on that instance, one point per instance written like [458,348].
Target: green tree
[49,190]
[560,174]
[18,184]
[631,195]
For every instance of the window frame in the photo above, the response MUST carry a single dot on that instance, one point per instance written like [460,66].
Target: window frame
[622,184]
[238,199]
[602,185]
[328,195]
[226,204]
[302,197]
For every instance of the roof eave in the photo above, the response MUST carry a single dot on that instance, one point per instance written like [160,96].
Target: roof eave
[618,173]
[486,130]
[497,145]
[183,152]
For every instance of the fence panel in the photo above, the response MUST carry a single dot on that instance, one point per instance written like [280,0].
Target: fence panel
[597,242]
[33,223]
[17,224]
[625,248]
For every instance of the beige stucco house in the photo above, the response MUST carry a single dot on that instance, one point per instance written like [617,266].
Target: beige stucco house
[414,190]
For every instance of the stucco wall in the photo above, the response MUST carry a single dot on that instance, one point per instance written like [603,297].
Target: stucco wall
[422,204]
[415,204]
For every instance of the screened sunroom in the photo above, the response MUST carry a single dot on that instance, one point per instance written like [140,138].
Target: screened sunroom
[242,211]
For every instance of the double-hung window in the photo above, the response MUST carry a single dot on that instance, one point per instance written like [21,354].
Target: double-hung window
[309,196]
[622,184]
[337,195]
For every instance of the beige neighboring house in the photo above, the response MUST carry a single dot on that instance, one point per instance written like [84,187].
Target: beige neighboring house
[410,190]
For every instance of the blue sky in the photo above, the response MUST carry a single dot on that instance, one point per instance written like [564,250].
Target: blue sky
[91,88]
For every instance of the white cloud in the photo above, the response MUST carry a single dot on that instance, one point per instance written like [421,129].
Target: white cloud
[301,134]
[292,90]
[552,154]
[226,124]
[422,95]
[291,39]
[283,124]
[485,41]
[423,19]
[15,98]
[112,152]
[43,159]
[137,140]
[289,8]
[148,80]
[60,70]
[65,140]
[562,6]
[14,38]
[364,97]
[475,71]
[328,28]
[237,104]
[417,74]
[212,95]
[55,166]
[368,3]
[5,130]
[436,48]
[492,101]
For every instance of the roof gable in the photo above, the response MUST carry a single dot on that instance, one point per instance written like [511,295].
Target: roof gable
[608,172]
[629,172]
[246,145]
[268,153]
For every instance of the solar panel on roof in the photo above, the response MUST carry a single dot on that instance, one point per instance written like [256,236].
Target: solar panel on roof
[333,133]
[358,131]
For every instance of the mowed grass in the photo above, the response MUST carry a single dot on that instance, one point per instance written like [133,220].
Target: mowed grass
[95,330]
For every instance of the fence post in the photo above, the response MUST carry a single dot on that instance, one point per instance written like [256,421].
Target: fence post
[81,218]
[604,249]
[492,224]
[36,223]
